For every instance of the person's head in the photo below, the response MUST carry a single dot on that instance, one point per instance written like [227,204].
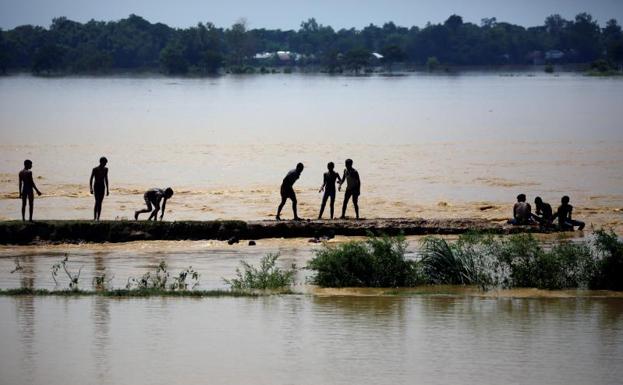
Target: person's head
[330,166]
[103,161]
[564,200]
[168,192]
[521,198]
[349,163]
[299,167]
[28,164]
[538,201]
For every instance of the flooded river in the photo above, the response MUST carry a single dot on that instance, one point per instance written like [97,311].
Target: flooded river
[425,146]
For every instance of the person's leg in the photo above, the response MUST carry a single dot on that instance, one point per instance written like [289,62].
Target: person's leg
[332,203]
[580,224]
[24,198]
[99,198]
[31,200]
[148,209]
[347,196]
[293,198]
[356,205]
[154,214]
[283,202]
[323,204]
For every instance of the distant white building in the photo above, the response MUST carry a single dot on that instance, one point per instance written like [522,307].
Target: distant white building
[554,54]
[377,55]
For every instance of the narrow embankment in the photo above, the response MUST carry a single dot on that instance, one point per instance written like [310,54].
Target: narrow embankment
[20,233]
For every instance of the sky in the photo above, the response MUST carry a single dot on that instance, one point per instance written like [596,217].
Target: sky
[288,14]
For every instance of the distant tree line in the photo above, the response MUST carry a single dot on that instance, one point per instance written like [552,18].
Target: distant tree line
[136,44]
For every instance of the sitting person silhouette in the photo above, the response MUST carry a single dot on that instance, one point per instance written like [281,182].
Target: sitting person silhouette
[564,212]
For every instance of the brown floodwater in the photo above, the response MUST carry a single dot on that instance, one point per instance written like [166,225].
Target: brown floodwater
[425,146]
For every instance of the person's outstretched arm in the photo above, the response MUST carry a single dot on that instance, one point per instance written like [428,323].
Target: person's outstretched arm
[339,187]
[106,181]
[324,182]
[91,181]
[164,206]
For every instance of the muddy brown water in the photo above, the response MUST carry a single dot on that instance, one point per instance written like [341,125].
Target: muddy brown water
[425,146]
[311,340]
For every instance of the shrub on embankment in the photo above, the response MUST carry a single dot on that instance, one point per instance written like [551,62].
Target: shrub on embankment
[474,259]
[376,262]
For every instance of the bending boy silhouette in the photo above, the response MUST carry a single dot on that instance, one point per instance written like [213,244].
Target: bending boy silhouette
[287,190]
[328,185]
[27,187]
[353,188]
[565,222]
[98,184]
[152,198]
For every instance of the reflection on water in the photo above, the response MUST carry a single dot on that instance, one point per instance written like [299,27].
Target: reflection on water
[312,340]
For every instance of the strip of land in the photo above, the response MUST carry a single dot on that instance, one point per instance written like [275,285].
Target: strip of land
[24,233]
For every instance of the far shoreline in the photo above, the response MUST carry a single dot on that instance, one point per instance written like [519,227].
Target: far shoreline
[580,69]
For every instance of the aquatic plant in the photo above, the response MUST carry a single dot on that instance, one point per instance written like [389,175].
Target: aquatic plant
[121,293]
[102,281]
[73,277]
[18,266]
[159,278]
[375,262]
[475,259]
[266,276]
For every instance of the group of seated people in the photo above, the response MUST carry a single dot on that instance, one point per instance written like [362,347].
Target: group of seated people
[544,216]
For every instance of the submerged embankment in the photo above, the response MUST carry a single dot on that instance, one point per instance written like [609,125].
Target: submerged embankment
[16,232]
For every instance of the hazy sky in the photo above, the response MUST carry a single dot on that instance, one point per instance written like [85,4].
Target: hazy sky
[288,14]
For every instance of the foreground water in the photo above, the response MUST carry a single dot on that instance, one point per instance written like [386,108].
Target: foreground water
[311,340]
[431,146]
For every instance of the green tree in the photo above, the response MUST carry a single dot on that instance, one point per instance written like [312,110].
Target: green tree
[392,54]
[4,53]
[432,63]
[356,59]
[48,59]
[173,61]
[613,40]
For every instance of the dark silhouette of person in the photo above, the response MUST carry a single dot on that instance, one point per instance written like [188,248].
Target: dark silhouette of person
[328,185]
[287,190]
[98,184]
[564,212]
[543,213]
[353,187]
[27,187]
[152,198]
[522,211]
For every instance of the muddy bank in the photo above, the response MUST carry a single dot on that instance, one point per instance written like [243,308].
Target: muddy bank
[16,232]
